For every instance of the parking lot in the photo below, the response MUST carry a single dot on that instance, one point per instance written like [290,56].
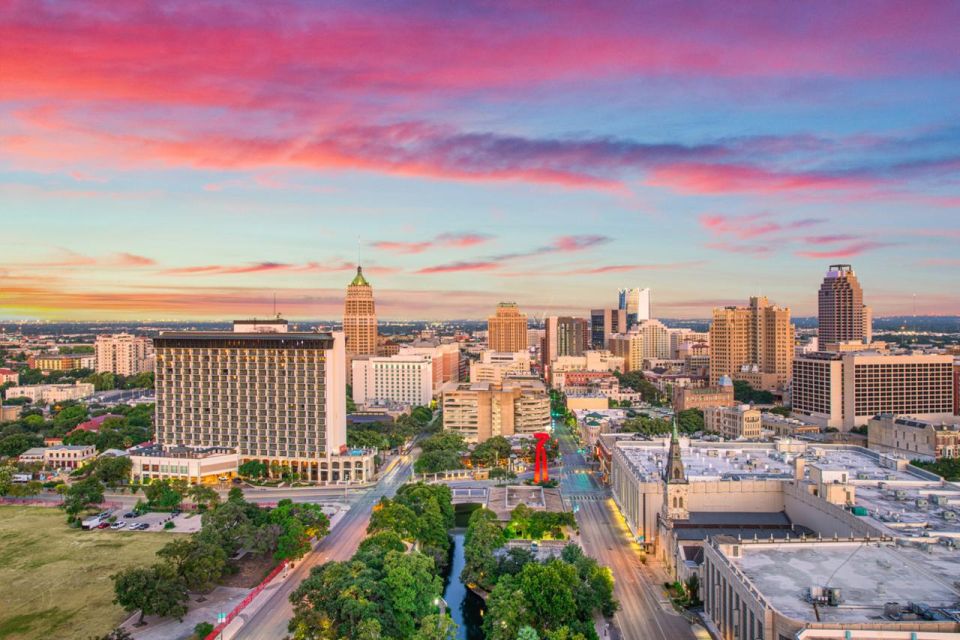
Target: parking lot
[183,523]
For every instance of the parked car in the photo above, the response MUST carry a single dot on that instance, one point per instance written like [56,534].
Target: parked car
[140,526]
[130,514]
[103,525]
[119,524]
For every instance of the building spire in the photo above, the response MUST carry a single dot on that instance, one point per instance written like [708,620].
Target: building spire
[675,473]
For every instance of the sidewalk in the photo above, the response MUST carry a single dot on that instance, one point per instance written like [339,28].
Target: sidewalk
[220,599]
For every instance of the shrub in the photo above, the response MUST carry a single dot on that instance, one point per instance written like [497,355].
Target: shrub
[169,524]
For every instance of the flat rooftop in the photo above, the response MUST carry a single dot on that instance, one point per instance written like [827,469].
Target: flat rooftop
[928,510]
[707,461]
[868,574]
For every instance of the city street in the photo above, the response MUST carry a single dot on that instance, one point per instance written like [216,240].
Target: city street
[272,616]
[645,612]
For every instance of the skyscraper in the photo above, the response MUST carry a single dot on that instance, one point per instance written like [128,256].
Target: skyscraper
[840,307]
[564,336]
[507,328]
[604,323]
[753,343]
[359,319]
[636,302]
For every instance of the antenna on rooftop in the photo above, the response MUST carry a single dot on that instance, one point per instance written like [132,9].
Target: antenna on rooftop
[358,249]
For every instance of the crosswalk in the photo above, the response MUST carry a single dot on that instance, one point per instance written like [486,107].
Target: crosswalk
[585,497]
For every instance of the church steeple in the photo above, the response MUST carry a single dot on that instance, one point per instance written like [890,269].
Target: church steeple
[674,472]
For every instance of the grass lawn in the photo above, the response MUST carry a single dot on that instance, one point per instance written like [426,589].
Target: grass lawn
[55,581]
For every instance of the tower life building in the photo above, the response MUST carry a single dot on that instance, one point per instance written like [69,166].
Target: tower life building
[507,329]
[840,308]
[636,302]
[359,320]
[752,343]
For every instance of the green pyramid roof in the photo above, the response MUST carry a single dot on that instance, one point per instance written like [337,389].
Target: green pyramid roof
[359,280]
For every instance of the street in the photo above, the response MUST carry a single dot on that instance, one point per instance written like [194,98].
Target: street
[271,618]
[645,612]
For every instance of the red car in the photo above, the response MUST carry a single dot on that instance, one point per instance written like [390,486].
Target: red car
[103,525]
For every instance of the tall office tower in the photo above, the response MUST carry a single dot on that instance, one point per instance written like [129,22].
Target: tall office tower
[604,323]
[360,318]
[867,325]
[753,343]
[636,302]
[507,329]
[840,307]
[273,396]
[124,354]
[564,336]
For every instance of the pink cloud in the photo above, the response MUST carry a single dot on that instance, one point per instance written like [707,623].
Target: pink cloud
[69,258]
[454,240]
[259,267]
[753,225]
[846,251]
[454,267]
[699,178]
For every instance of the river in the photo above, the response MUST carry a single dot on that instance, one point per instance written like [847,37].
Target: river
[466,608]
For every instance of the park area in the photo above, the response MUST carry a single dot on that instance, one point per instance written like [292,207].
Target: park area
[55,581]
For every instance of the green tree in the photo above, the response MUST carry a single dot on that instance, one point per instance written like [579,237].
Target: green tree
[102,381]
[446,441]
[437,461]
[507,610]
[252,469]
[390,515]
[436,627]
[690,420]
[81,495]
[112,471]
[369,630]
[13,445]
[743,392]
[412,585]
[484,535]
[153,590]
[528,633]
[6,479]
[204,496]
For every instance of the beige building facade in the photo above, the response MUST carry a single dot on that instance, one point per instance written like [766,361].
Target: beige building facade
[274,397]
[733,423]
[507,329]
[124,354]
[845,390]
[753,343]
[911,438]
[52,393]
[481,410]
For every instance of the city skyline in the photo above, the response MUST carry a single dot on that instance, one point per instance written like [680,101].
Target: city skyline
[180,161]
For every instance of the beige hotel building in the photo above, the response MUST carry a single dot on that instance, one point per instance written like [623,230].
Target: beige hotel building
[269,394]
[845,389]
[481,410]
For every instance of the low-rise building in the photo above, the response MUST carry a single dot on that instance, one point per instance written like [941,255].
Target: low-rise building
[10,412]
[61,456]
[9,375]
[494,366]
[740,421]
[784,427]
[51,393]
[480,410]
[60,362]
[93,424]
[689,397]
[830,589]
[197,465]
[587,402]
[913,438]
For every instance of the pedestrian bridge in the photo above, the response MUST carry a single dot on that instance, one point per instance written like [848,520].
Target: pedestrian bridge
[463,495]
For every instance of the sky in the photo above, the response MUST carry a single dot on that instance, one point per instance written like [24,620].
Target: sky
[190,160]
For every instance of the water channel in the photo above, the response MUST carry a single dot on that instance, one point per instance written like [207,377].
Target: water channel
[466,608]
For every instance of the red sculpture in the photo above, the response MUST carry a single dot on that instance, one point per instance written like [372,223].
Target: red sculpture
[540,473]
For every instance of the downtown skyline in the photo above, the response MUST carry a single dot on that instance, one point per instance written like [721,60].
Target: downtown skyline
[189,161]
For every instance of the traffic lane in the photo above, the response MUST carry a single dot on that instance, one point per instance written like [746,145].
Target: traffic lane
[273,616]
[641,615]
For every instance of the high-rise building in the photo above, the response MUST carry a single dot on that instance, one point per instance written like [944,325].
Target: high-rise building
[124,354]
[481,410]
[840,307]
[844,390]
[507,328]
[604,323]
[359,319]
[752,343]
[564,336]
[401,379]
[628,346]
[636,302]
[656,339]
[494,366]
[445,357]
[273,396]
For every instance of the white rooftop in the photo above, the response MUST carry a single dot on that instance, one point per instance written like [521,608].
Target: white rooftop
[868,574]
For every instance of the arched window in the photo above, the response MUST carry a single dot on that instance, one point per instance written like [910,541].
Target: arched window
[674,502]
[681,502]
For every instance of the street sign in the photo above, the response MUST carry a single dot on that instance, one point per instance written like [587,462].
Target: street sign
[221,618]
